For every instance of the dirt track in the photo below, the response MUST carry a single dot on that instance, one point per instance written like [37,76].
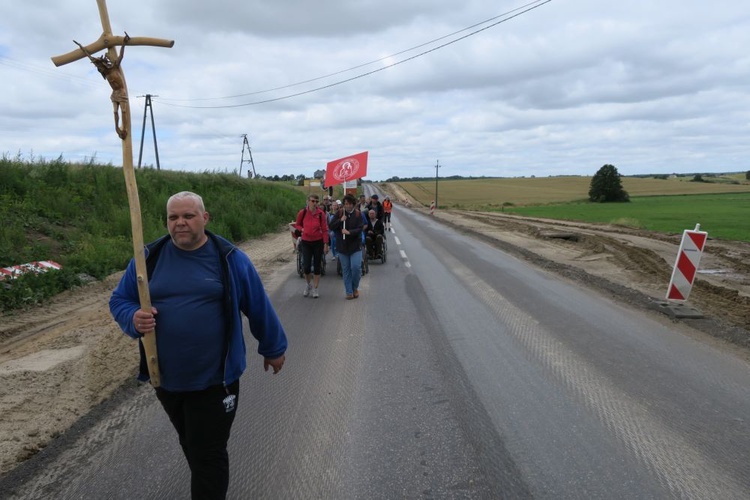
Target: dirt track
[59,361]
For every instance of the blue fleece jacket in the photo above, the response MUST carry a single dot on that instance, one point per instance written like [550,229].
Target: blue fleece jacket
[243,293]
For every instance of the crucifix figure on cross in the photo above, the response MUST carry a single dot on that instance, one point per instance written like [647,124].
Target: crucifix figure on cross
[110,67]
[110,71]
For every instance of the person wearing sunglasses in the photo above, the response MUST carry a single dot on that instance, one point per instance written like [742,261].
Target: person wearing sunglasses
[313,224]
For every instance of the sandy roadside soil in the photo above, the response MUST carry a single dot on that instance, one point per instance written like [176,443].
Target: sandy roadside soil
[59,361]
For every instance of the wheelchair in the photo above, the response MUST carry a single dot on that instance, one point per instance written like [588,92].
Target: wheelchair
[365,264]
[301,260]
[380,253]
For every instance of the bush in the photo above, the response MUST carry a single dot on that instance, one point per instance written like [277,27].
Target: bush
[78,215]
[31,289]
[606,186]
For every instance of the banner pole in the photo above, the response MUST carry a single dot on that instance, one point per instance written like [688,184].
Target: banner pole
[343,236]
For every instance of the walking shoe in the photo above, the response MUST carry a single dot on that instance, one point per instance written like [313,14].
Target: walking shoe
[308,287]
[356,294]
[349,296]
[315,293]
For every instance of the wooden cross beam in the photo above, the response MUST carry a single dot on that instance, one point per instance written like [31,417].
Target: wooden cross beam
[109,66]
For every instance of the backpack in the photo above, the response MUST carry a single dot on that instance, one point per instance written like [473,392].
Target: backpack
[320,216]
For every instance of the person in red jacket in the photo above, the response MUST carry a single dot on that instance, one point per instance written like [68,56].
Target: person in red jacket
[313,224]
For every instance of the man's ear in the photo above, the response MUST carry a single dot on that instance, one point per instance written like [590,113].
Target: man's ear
[206,217]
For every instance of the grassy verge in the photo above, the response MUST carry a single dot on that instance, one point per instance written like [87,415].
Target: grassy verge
[78,215]
[724,216]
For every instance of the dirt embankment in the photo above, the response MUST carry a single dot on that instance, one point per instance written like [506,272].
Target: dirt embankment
[59,361]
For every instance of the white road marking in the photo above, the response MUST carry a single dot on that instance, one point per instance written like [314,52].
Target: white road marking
[398,241]
[406,259]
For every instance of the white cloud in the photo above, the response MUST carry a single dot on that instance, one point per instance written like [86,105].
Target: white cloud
[565,88]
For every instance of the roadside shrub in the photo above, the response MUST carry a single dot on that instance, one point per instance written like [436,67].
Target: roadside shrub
[78,215]
[32,289]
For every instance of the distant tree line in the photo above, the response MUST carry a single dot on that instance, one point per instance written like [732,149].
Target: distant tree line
[300,179]
[606,184]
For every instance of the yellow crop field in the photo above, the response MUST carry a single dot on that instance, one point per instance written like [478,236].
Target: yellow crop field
[533,191]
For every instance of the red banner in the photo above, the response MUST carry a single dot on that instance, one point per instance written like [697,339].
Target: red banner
[346,169]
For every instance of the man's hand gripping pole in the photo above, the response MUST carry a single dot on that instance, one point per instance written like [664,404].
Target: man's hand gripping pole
[110,42]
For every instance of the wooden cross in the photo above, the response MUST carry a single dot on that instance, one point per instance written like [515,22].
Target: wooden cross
[109,66]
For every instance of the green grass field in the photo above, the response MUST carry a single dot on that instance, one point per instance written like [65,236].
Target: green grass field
[670,205]
[724,216]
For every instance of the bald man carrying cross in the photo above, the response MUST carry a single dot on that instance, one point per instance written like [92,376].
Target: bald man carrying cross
[202,285]
[109,65]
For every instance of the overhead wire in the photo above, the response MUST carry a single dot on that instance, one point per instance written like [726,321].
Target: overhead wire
[44,71]
[385,58]
[506,17]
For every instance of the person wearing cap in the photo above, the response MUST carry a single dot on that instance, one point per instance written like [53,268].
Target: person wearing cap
[377,206]
[387,209]
[363,204]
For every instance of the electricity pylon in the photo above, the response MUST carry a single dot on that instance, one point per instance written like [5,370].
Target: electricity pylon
[153,130]
[250,155]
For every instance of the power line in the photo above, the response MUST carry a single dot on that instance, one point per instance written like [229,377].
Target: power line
[368,73]
[257,92]
[44,71]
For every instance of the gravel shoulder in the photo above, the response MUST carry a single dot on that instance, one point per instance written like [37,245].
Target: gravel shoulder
[60,361]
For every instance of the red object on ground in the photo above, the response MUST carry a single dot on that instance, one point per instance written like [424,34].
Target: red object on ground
[30,267]
[686,265]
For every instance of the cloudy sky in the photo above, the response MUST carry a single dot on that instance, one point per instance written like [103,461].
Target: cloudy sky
[563,87]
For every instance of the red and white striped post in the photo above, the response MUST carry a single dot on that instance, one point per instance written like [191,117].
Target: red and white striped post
[686,265]
[35,267]
[432,208]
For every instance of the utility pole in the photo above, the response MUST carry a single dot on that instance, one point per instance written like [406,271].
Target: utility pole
[153,130]
[250,154]
[437,166]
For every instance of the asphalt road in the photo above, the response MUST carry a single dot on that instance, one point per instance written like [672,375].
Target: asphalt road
[460,372]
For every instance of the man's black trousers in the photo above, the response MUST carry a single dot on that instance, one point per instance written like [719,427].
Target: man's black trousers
[203,420]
